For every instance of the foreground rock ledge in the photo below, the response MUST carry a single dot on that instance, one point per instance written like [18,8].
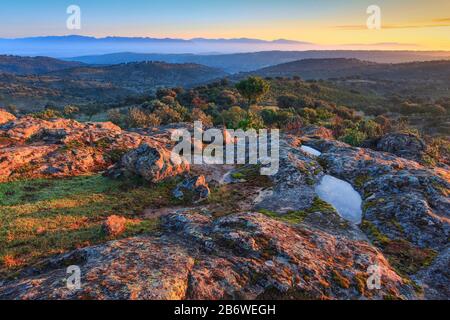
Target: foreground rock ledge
[240,256]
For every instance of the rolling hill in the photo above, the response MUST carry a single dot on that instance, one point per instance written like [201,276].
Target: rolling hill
[104,84]
[342,68]
[142,76]
[251,61]
[33,65]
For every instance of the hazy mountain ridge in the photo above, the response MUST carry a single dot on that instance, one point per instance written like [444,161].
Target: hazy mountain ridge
[341,68]
[250,61]
[33,65]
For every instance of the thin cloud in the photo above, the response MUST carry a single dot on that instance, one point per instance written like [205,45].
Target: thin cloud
[442,20]
[445,22]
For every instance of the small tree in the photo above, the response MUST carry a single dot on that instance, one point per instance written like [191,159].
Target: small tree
[253,89]
[70,111]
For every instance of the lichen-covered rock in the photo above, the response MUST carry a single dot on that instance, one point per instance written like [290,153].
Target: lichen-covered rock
[405,145]
[6,117]
[245,255]
[317,132]
[406,206]
[151,163]
[194,189]
[36,148]
[138,268]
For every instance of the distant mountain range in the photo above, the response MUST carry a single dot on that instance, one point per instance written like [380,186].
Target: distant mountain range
[244,62]
[342,68]
[76,46]
[69,46]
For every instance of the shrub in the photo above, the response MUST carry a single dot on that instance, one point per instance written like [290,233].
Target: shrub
[353,137]
[47,114]
[70,111]
[198,115]
[233,116]
[116,117]
[253,89]
[137,118]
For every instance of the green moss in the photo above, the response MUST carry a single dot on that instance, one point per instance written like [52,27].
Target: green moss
[322,206]
[403,256]
[293,217]
[114,155]
[252,174]
[397,225]
[378,237]
[406,258]
[361,180]
[296,217]
[323,163]
[73,145]
[102,143]
[238,175]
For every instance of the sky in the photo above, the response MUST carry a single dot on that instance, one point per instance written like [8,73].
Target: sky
[412,24]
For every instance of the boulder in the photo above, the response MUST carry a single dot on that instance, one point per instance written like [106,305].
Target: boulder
[193,189]
[405,145]
[317,132]
[114,225]
[151,163]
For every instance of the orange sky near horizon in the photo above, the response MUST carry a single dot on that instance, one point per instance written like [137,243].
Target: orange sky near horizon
[407,24]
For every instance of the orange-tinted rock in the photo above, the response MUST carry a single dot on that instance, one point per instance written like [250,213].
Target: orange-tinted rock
[114,225]
[6,117]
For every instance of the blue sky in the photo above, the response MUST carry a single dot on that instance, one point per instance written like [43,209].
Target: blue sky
[321,21]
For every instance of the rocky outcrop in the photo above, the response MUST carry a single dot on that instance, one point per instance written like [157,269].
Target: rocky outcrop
[405,205]
[245,255]
[35,148]
[297,174]
[154,164]
[6,117]
[192,190]
[279,240]
[405,145]
[317,132]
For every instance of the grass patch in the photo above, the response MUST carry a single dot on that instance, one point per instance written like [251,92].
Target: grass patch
[42,217]
[293,217]
[296,217]
[252,174]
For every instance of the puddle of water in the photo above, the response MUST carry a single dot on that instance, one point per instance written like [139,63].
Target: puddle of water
[341,195]
[311,151]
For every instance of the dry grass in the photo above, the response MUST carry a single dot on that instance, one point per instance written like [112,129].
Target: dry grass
[43,217]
